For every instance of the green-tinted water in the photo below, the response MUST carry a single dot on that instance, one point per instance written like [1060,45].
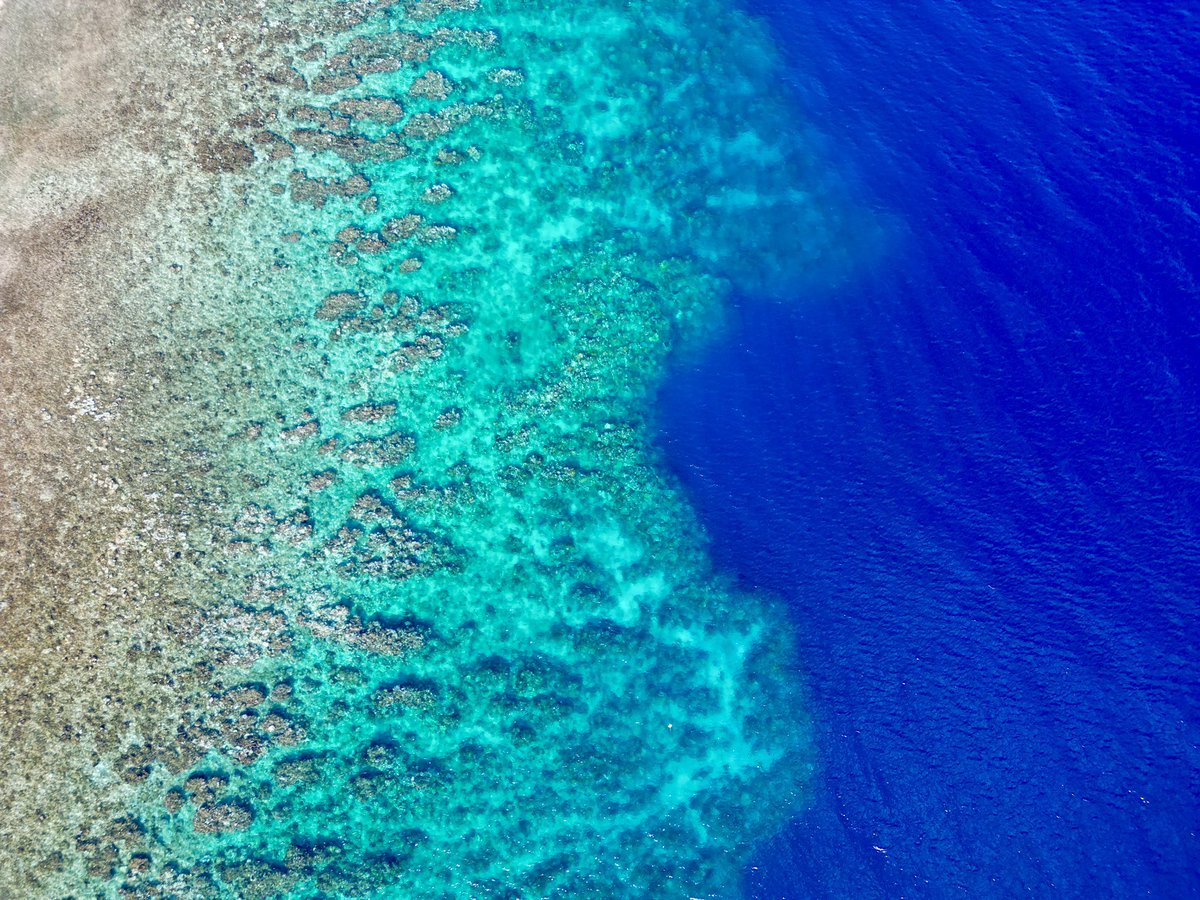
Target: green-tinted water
[481,651]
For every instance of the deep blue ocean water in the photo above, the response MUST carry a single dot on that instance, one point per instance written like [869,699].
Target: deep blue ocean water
[971,469]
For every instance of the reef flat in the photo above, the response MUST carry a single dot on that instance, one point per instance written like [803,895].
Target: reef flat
[344,562]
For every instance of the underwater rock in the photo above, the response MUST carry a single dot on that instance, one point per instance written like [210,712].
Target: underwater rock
[475,38]
[174,800]
[371,244]
[354,148]
[222,817]
[321,481]
[427,10]
[316,191]
[424,499]
[240,637]
[448,156]
[371,508]
[217,156]
[331,84]
[301,432]
[139,864]
[402,228]
[203,789]
[437,234]
[254,519]
[251,432]
[369,412]
[286,76]
[379,452]
[448,418]
[431,85]
[337,624]
[438,193]
[516,439]
[395,551]
[404,696]
[429,126]
[297,771]
[336,305]
[294,529]
[245,697]
[281,729]
[506,77]
[383,110]
[371,54]
[255,118]
[321,117]
[101,859]
[275,146]
[260,880]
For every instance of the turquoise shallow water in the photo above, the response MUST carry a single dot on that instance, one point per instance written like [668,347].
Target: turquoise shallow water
[479,648]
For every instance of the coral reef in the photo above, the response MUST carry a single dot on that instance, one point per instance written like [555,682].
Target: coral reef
[430,619]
